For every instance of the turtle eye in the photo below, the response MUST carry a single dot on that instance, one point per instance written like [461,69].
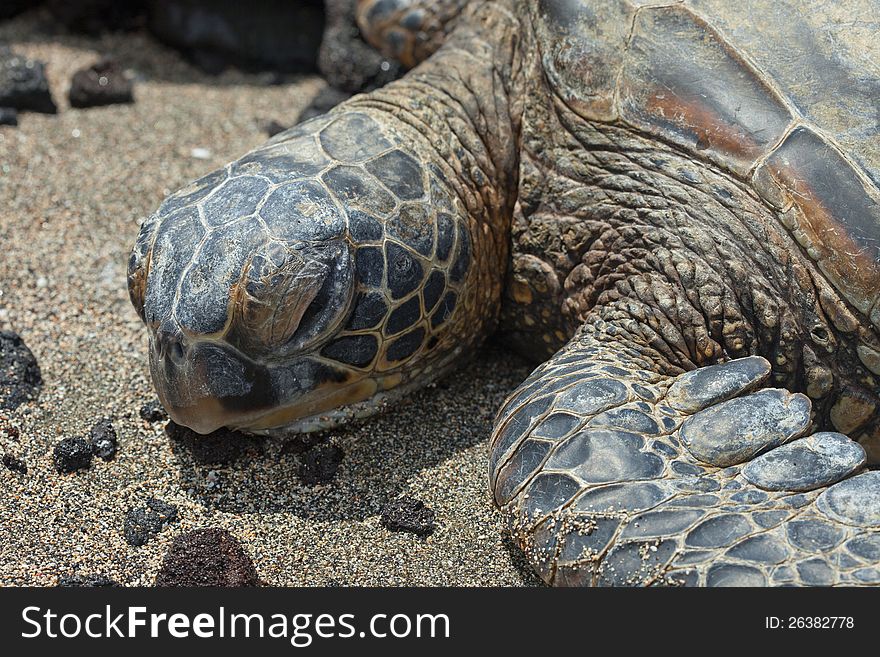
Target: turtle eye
[288,299]
[139,263]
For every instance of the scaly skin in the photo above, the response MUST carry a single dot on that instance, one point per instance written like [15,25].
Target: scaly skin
[346,261]
[409,31]
[680,305]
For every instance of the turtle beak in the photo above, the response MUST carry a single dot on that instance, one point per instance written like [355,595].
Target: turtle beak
[205,385]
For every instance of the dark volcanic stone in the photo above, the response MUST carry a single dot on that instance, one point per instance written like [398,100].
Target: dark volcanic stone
[103,439]
[94,17]
[207,557]
[8,116]
[324,101]
[104,83]
[72,454]
[408,514]
[14,464]
[320,464]
[273,127]
[20,378]
[23,84]
[221,447]
[153,412]
[274,34]
[87,581]
[346,61]
[143,523]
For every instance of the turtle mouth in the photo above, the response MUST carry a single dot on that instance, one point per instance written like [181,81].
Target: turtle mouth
[206,385]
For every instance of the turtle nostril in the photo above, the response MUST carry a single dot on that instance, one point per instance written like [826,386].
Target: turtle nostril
[175,350]
[171,342]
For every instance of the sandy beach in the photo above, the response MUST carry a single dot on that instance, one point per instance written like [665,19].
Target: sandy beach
[73,189]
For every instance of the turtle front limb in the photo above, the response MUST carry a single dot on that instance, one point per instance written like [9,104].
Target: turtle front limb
[612,473]
[408,30]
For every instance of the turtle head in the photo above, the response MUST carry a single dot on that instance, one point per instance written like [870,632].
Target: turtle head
[273,305]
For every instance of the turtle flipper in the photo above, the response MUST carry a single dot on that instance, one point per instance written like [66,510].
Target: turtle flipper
[408,30]
[612,474]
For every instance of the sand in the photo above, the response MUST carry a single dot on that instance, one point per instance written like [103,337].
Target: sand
[73,188]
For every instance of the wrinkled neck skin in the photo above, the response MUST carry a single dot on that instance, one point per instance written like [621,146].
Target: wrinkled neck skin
[682,258]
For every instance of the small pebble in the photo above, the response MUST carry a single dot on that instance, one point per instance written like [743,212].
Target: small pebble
[200,153]
[11,432]
[14,464]
[320,464]
[408,514]
[153,412]
[103,83]
[103,439]
[20,378]
[323,102]
[23,84]
[207,557]
[143,523]
[8,116]
[87,581]
[72,454]
[273,127]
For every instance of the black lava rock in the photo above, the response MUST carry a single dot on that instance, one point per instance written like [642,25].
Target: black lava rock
[87,581]
[323,101]
[143,523]
[346,61]
[408,514]
[104,83]
[153,412]
[14,464]
[207,557]
[319,465]
[270,34]
[20,378]
[94,17]
[72,454]
[103,439]
[8,116]
[221,447]
[273,127]
[23,84]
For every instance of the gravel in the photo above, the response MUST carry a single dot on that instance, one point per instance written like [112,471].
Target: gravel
[73,188]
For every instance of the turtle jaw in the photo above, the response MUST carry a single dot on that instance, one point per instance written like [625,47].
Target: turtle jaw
[207,384]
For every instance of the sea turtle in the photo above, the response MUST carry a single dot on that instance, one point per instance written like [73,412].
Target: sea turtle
[674,205]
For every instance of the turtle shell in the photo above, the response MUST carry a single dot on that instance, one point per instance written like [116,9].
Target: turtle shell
[782,96]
